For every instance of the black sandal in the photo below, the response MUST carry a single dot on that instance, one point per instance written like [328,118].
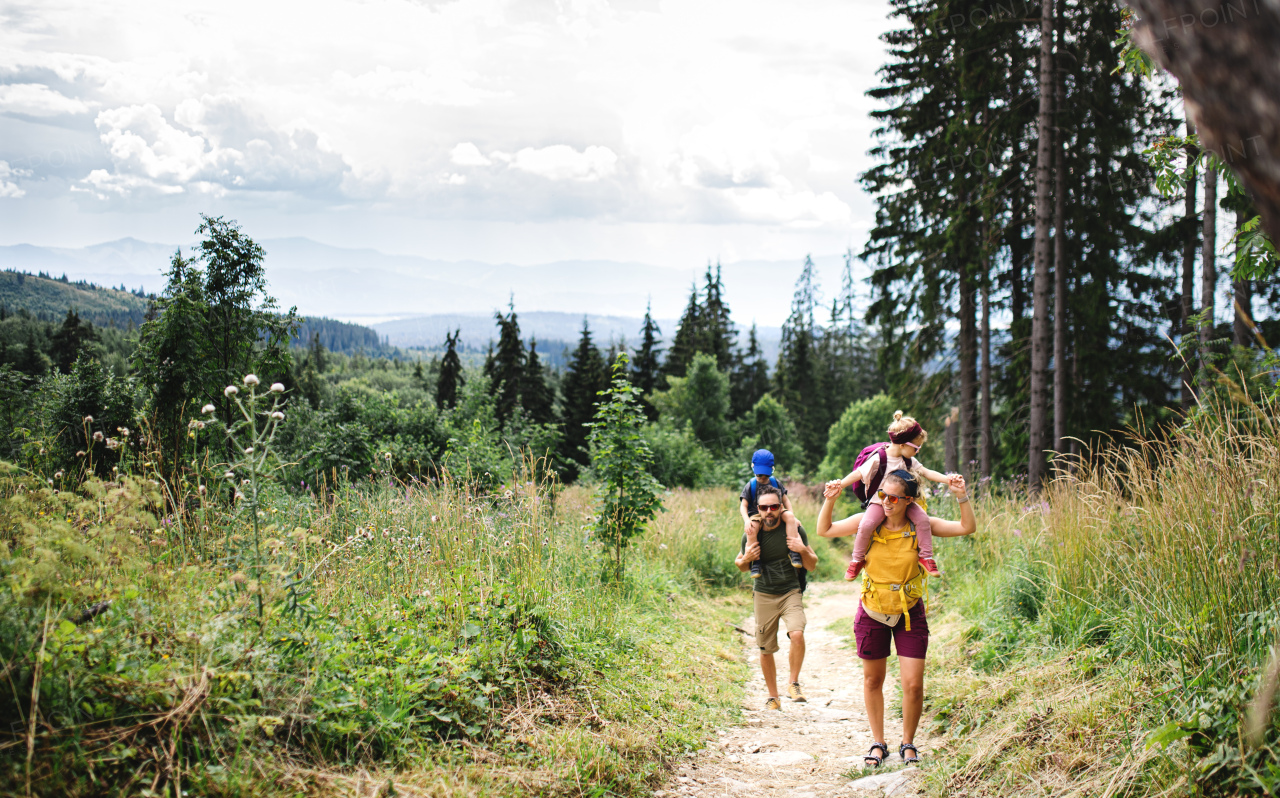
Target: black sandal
[875,760]
[902,752]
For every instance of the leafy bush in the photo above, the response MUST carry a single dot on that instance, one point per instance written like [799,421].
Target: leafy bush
[862,424]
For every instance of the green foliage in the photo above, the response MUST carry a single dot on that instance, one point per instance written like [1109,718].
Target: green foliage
[768,425]
[699,399]
[863,423]
[679,460]
[620,461]
[580,389]
[216,323]
[81,421]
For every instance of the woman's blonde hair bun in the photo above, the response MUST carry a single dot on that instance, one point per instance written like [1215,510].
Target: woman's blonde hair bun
[897,416]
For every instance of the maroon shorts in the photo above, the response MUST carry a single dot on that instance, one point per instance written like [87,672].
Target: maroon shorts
[873,637]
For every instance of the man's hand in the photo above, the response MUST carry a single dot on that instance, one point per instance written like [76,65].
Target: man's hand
[751,554]
[796,544]
[832,489]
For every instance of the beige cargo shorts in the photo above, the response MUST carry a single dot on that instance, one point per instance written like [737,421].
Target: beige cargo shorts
[770,609]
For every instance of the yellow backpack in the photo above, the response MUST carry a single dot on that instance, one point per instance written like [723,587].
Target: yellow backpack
[893,580]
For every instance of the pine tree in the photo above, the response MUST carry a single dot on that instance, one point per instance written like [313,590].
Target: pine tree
[70,340]
[506,367]
[583,380]
[536,396]
[451,378]
[716,332]
[645,368]
[688,338]
[750,377]
[796,377]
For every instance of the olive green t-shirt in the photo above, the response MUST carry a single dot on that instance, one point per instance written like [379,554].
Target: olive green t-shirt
[777,574]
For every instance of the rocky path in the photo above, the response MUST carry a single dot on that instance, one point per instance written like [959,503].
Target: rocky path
[810,749]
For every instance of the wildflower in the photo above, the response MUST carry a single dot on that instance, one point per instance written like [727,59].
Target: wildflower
[250,380]
[277,387]
[112,443]
[88,419]
[124,431]
[230,390]
[97,437]
[202,490]
[230,475]
[662,546]
[80,453]
[278,416]
[239,496]
[249,450]
[57,475]
[208,409]
[239,578]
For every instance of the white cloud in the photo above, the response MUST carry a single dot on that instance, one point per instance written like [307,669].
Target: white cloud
[8,188]
[468,154]
[227,149]
[562,162]
[37,99]
[697,112]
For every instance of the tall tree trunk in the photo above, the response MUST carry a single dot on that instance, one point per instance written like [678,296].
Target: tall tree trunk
[1189,272]
[1242,313]
[1040,291]
[1059,272]
[985,434]
[1208,255]
[1227,60]
[968,373]
[951,443]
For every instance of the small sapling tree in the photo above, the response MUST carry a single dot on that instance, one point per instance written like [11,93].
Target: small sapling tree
[620,459]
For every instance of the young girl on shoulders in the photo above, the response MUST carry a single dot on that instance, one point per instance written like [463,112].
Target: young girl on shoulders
[906,438]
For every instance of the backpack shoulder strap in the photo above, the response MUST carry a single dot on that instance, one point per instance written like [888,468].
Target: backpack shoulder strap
[753,490]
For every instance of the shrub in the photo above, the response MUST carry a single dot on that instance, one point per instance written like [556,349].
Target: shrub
[862,424]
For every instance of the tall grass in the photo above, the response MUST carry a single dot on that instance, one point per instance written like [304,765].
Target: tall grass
[390,626]
[1158,556]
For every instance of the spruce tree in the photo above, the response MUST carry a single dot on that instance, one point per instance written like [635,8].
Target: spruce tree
[536,396]
[451,378]
[506,368]
[716,333]
[645,368]
[796,376]
[688,338]
[583,380]
[70,340]
[750,377]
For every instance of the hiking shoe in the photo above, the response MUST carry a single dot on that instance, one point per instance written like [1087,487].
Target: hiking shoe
[793,692]
[855,568]
[930,567]
[755,569]
[774,703]
[795,559]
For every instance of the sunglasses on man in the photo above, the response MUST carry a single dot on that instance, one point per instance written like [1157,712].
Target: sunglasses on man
[767,507]
[890,499]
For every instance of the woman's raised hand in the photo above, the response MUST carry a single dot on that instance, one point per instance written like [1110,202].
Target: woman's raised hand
[832,489]
[956,482]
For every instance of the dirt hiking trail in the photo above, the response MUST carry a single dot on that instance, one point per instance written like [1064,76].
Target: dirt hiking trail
[811,749]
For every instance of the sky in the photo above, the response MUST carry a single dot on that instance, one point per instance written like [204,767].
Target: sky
[518,131]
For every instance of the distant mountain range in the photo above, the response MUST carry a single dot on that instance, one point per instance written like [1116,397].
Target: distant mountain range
[367,286]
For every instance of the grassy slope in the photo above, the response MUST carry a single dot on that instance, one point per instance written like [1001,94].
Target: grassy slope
[95,304]
[404,667]
[1107,640]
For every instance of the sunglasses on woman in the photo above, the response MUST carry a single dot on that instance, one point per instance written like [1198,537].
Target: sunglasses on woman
[890,499]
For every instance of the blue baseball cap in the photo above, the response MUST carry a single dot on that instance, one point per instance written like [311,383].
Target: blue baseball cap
[762,461]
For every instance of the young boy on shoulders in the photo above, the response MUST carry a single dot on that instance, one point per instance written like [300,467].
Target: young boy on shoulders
[762,466]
